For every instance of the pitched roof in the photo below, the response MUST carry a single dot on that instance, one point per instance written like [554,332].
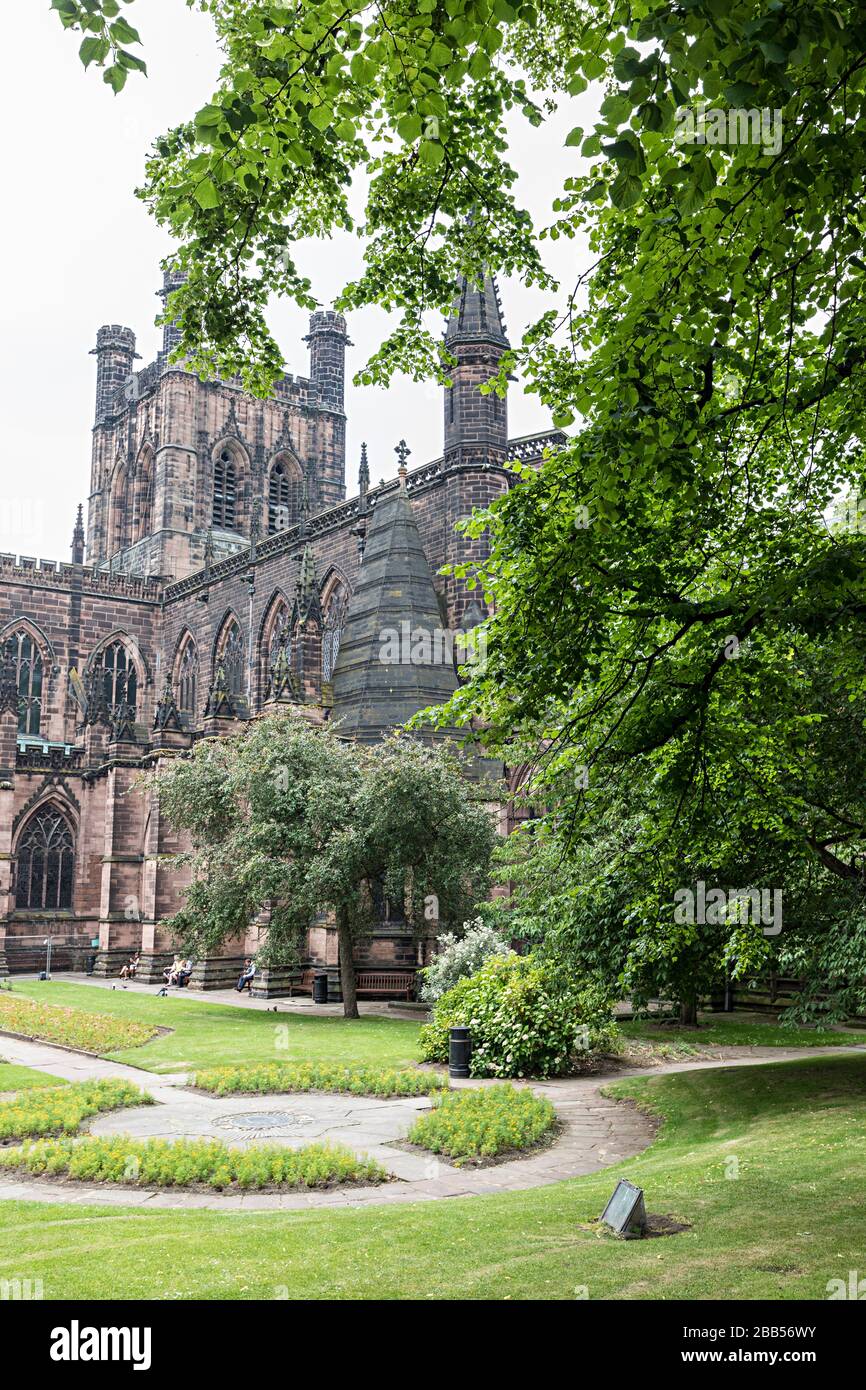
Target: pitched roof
[394,656]
[477,313]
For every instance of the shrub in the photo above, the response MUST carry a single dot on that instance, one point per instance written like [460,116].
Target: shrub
[70,1027]
[61,1109]
[524,1021]
[477,1124]
[268,1078]
[191,1162]
[457,957]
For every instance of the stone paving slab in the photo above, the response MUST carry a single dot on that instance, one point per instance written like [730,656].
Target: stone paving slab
[596,1133]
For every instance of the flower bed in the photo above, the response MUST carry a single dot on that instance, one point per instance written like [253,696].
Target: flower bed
[61,1109]
[70,1027]
[471,1125]
[270,1078]
[192,1163]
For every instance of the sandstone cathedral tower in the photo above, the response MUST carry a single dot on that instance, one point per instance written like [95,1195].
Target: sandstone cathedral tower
[222,572]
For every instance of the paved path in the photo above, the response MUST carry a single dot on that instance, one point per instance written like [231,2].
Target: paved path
[596,1133]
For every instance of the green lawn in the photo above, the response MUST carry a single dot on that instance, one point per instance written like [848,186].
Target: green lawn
[793,1218]
[15,1078]
[210,1035]
[740,1031]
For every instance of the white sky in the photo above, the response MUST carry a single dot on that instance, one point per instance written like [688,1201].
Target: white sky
[80,250]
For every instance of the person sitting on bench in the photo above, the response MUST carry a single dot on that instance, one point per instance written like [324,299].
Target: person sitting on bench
[184,973]
[128,971]
[170,973]
[246,978]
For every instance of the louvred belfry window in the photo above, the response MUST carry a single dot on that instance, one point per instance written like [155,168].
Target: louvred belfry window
[225,492]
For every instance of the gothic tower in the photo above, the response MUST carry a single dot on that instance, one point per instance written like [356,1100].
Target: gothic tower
[476,425]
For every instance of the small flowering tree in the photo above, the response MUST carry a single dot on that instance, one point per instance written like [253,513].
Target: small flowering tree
[460,956]
[287,822]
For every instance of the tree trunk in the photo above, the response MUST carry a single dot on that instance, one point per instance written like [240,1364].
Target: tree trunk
[689,1012]
[348,974]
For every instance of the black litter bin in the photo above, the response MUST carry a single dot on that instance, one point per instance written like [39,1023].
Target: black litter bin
[90,964]
[320,988]
[459,1052]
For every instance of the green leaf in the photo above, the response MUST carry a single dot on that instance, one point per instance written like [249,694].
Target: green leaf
[94,51]
[115,76]
[206,195]
[121,32]
[431,153]
[625,191]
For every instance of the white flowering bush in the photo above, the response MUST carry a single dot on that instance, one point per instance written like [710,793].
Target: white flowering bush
[523,1021]
[460,956]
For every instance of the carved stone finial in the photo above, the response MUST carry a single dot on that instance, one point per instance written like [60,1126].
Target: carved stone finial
[402,451]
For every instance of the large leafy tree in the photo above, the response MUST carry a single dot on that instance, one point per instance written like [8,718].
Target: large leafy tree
[288,824]
[673,611]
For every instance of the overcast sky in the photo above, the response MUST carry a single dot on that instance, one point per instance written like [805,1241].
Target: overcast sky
[80,250]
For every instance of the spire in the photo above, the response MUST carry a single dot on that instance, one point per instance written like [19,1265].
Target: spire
[394,655]
[476,314]
[363,471]
[78,538]
[308,583]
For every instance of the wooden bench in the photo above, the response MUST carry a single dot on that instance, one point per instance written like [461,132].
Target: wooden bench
[378,984]
[386,984]
[301,983]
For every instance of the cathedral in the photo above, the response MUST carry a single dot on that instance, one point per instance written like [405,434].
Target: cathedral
[223,573]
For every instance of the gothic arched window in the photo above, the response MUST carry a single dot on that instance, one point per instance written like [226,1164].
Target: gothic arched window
[284,494]
[122,504]
[144,498]
[45,862]
[116,670]
[225,491]
[278,499]
[232,657]
[335,618]
[22,658]
[187,678]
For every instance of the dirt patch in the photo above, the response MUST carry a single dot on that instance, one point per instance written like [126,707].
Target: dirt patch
[657,1225]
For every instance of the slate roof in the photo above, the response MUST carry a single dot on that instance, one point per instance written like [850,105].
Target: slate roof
[477,313]
[394,604]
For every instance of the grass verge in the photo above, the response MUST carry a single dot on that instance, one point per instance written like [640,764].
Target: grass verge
[16,1078]
[206,1035]
[717,1030]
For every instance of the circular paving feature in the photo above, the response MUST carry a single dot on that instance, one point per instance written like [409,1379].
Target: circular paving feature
[264,1121]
